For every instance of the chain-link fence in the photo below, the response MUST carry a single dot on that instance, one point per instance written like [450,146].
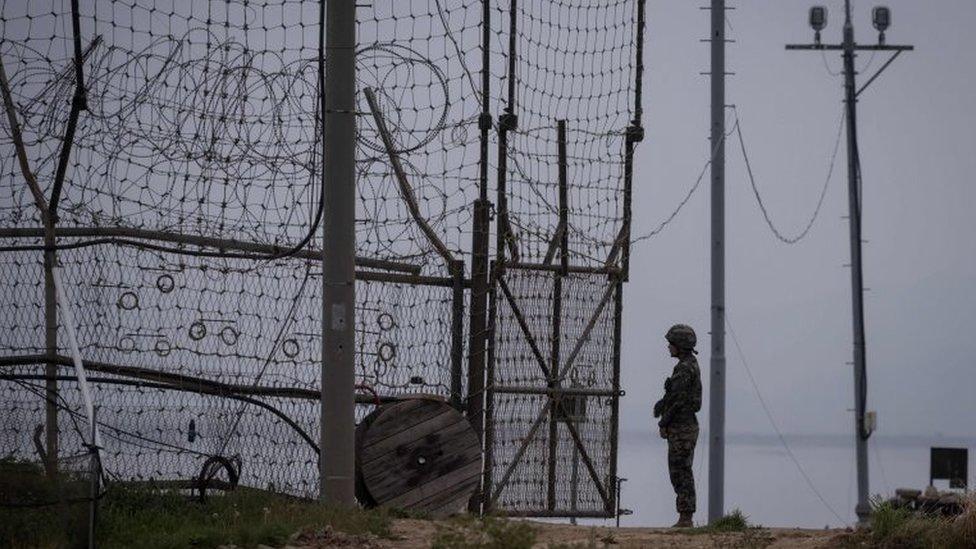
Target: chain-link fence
[166,159]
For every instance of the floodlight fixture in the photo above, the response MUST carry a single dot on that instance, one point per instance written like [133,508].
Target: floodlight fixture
[818,21]
[818,18]
[881,17]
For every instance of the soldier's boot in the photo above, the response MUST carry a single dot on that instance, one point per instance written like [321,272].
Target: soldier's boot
[684,521]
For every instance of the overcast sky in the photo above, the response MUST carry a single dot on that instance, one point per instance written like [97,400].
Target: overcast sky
[790,305]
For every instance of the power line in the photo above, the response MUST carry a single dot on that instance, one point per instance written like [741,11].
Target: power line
[755,190]
[691,191]
[772,422]
[736,128]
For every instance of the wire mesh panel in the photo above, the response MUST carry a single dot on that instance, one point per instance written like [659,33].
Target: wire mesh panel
[573,61]
[192,358]
[187,223]
[553,422]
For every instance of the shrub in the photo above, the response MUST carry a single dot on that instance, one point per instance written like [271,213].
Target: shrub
[732,522]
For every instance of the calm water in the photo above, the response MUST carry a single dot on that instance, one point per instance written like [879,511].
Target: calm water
[764,483]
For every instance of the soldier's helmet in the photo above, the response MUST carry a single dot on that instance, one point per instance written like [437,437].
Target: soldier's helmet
[682,336]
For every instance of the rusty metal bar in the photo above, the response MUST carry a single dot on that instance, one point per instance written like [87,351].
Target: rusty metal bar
[202,241]
[554,244]
[406,191]
[417,280]
[478,322]
[179,382]
[569,391]
[502,226]
[545,513]
[557,313]
[51,346]
[563,197]
[635,134]
[489,430]
[457,332]
[573,269]
[79,102]
[18,140]
[621,242]
[618,303]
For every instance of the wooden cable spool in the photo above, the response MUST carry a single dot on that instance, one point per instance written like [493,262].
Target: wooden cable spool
[418,454]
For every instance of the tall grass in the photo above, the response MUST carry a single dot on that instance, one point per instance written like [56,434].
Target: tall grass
[893,527]
[244,517]
[151,519]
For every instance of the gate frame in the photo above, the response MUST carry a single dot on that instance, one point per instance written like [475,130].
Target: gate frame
[553,369]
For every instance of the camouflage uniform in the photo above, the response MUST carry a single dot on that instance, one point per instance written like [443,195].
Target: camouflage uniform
[682,399]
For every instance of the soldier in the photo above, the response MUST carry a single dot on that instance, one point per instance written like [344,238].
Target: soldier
[678,424]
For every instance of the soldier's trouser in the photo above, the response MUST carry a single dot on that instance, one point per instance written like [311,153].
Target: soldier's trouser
[681,454]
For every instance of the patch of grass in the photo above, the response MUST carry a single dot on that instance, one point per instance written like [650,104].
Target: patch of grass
[898,528]
[732,522]
[888,521]
[147,518]
[735,521]
[469,532]
[36,510]
[245,517]
[750,535]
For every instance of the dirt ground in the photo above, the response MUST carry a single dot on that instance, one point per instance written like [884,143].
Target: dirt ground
[417,534]
[560,534]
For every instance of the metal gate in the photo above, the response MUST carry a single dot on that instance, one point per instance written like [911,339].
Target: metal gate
[553,391]
[544,348]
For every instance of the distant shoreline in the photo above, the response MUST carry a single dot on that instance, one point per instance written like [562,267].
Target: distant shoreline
[822,439]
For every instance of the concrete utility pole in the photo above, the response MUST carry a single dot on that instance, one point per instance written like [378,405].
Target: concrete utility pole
[818,20]
[716,406]
[337,459]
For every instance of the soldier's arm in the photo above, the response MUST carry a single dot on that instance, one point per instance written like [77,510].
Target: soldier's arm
[659,405]
[676,396]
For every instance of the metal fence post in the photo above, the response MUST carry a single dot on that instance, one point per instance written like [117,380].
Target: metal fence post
[95,472]
[457,332]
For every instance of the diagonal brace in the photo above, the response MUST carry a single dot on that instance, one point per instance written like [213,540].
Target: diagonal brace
[525,326]
[406,191]
[18,139]
[556,398]
[521,452]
